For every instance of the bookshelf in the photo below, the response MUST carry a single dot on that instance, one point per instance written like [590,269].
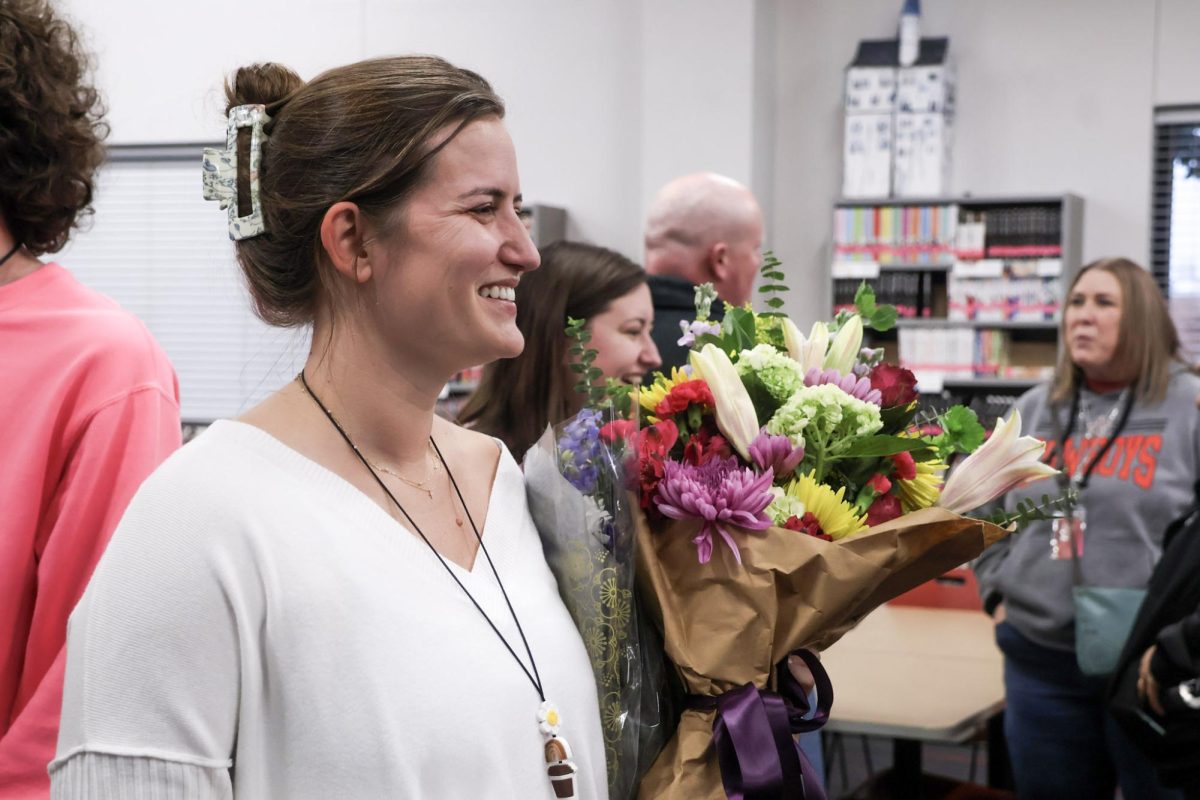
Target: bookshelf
[978,283]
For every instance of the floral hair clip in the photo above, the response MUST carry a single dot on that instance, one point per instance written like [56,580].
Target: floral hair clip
[220,174]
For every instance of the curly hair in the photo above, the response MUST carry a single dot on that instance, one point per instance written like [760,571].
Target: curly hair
[51,126]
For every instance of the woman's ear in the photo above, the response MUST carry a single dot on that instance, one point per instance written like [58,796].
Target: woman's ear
[344,239]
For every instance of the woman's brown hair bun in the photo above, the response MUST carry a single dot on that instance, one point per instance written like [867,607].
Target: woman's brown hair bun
[264,84]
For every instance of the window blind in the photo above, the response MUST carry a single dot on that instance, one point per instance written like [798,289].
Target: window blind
[163,252]
[1175,221]
[1175,232]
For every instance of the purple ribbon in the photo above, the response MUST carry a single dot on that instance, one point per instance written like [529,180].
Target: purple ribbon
[752,734]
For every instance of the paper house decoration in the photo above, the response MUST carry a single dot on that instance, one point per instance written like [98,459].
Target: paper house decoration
[920,102]
[867,155]
[870,90]
[925,90]
[921,162]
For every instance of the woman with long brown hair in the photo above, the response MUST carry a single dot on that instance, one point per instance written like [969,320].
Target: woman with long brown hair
[518,397]
[1121,418]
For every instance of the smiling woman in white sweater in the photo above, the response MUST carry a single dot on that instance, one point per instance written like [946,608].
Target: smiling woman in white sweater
[340,594]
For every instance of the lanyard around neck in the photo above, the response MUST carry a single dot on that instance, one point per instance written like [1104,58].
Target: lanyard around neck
[1081,483]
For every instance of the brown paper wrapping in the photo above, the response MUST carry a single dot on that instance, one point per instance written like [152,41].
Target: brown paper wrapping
[726,625]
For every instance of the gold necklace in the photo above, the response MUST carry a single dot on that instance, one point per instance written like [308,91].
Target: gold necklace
[422,485]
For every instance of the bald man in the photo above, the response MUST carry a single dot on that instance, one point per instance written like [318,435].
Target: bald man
[702,228]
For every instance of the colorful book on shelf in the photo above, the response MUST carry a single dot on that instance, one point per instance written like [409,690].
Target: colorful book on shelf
[1024,251]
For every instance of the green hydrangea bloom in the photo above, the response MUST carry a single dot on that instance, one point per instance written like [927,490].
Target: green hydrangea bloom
[784,506]
[779,373]
[826,419]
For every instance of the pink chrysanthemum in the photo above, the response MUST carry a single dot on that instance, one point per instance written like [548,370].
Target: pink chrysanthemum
[720,494]
[851,384]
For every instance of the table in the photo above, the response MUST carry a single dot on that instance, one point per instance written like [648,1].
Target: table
[919,675]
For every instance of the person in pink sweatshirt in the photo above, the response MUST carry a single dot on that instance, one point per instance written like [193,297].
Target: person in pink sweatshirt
[89,404]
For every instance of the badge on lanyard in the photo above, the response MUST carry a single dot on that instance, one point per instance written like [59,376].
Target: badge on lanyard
[1067,535]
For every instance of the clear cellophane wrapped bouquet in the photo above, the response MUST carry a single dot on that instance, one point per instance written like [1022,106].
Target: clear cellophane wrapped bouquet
[784,486]
[576,486]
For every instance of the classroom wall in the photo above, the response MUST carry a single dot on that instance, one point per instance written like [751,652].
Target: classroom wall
[608,99]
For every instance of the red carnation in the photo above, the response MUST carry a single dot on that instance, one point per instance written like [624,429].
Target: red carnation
[703,445]
[886,507]
[617,430]
[905,467]
[879,483]
[808,524]
[689,393]
[651,447]
[897,385]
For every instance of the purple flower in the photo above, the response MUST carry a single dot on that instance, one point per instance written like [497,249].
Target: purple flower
[775,453]
[720,494]
[579,450]
[850,383]
[694,329]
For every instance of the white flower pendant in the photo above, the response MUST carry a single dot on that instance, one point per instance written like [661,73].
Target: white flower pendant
[560,767]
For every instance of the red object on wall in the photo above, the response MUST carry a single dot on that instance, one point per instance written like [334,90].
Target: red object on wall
[955,589]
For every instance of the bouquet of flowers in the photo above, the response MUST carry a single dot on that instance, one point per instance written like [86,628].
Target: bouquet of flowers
[786,487]
[575,484]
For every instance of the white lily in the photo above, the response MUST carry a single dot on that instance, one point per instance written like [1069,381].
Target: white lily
[846,343]
[1002,463]
[735,413]
[809,352]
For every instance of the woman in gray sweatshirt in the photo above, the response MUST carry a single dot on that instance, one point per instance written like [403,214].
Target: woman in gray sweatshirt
[1120,420]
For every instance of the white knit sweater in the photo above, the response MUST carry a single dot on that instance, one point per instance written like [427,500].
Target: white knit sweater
[259,628]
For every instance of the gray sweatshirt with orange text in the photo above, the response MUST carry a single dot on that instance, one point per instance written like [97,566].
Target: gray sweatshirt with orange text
[1145,480]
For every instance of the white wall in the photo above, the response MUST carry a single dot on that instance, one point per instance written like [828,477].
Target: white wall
[697,110]
[1053,97]
[607,99]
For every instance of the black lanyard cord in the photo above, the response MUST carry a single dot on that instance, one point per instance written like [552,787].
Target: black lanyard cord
[1126,409]
[10,253]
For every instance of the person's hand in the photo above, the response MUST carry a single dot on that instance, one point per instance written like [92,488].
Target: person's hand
[801,673]
[999,614]
[1147,686]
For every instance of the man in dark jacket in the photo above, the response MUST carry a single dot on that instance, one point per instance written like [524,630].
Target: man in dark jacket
[702,228]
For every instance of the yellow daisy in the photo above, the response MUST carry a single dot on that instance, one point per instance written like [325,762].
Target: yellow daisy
[650,397]
[924,489]
[836,516]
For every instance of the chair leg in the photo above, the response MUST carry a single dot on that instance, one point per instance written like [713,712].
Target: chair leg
[839,745]
[866,748]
